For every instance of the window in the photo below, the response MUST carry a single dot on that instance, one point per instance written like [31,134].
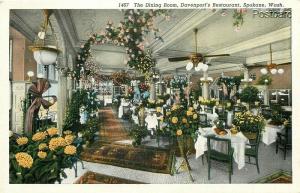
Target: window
[281,96]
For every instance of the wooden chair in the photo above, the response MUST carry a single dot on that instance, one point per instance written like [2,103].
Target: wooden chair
[284,140]
[203,122]
[253,150]
[208,110]
[225,157]
[126,112]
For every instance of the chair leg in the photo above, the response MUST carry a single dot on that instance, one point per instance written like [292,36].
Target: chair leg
[229,168]
[276,147]
[208,160]
[256,159]
[81,164]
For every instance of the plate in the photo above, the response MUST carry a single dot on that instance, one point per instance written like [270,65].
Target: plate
[220,132]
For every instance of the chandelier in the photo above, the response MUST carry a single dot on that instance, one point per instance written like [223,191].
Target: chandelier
[45,49]
[271,67]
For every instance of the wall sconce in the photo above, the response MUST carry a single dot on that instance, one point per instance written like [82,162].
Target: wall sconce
[30,74]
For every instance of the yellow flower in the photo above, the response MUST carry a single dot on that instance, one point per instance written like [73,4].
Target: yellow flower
[70,150]
[179,132]
[67,132]
[168,113]
[161,119]
[42,146]
[42,154]
[69,139]
[39,136]
[191,108]
[56,142]
[184,120]
[195,116]
[158,109]
[174,120]
[52,131]
[22,140]
[189,113]
[24,159]
[174,107]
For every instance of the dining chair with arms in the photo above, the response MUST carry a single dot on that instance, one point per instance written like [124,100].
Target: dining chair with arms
[225,156]
[208,110]
[203,122]
[252,150]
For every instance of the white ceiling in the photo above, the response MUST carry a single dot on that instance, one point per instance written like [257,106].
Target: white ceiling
[216,35]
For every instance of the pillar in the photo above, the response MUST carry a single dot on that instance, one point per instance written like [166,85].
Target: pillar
[152,91]
[246,76]
[266,95]
[205,86]
[61,99]
[160,86]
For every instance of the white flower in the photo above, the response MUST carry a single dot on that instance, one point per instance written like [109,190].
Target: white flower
[79,134]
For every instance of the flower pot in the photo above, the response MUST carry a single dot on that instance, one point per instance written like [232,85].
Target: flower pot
[249,135]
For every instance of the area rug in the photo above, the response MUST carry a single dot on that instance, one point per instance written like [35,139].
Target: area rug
[111,127]
[279,177]
[96,178]
[150,159]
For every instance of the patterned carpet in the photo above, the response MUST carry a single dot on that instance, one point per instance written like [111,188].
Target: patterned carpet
[96,178]
[140,158]
[112,129]
[279,177]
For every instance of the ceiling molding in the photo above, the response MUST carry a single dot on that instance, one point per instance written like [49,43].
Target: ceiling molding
[279,55]
[16,22]
[66,24]
[187,24]
[275,36]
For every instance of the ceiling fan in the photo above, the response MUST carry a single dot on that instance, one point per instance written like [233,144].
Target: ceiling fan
[270,67]
[196,59]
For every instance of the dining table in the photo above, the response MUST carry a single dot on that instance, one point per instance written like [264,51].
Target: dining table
[238,143]
[269,134]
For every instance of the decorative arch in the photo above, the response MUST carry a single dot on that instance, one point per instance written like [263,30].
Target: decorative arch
[129,33]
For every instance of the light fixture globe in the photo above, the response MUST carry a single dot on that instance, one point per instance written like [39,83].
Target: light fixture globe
[264,71]
[273,71]
[280,71]
[204,67]
[189,66]
[45,55]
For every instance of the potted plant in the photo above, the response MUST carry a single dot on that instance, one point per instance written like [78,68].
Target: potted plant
[249,95]
[138,133]
[249,124]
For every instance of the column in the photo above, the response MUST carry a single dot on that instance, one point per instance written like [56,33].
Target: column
[61,99]
[246,76]
[266,95]
[152,91]
[205,86]
[160,86]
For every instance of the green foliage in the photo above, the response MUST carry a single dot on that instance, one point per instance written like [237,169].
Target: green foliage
[230,82]
[220,124]
[249,94]
[262,78]
[138,133]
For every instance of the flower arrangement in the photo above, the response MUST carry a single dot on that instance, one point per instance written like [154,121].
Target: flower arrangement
[138,133]
[120,78]
[209,102]
[42,157]
[181,121]
[143,87]
[248,122]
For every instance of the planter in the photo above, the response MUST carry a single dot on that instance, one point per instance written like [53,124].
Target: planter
[250,135]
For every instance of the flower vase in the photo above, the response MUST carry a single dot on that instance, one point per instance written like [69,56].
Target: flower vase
[249,135]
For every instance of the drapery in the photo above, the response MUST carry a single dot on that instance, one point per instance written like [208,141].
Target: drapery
[37,89]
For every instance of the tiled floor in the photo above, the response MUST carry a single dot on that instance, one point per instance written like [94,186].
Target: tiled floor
[269,162]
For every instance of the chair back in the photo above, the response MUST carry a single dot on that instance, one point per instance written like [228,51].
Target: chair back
[208,110]
[255,142]
[288,133]
[217,144]
[203,119]
[266,113]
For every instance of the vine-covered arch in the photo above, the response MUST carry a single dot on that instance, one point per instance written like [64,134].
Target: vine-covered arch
[129,33]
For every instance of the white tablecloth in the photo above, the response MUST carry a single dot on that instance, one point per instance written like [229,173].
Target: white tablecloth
[152,122]
[238,143]
[125,104]
[270,134]
[107,101]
